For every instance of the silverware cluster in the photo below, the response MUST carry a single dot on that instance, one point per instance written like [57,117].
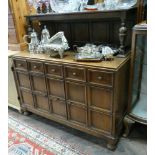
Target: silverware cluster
[48,45]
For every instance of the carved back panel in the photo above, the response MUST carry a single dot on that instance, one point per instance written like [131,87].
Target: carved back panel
[93,27]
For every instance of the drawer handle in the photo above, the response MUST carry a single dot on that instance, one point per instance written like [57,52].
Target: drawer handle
[56,99]
[83,107]
[19,65]
[34,67]
[74,74]
[69,102]
[53,70]
[99,78]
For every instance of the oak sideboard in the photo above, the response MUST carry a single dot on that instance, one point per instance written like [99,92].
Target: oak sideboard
[88,96]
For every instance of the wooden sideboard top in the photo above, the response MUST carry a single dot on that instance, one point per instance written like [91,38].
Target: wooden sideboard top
[11,53]
[69,59]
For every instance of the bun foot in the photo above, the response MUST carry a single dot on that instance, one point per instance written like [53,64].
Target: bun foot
[26,113]
[111,145]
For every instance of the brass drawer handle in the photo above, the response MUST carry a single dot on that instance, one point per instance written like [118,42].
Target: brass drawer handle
[83,107]
[99,78]
[53,70]
[74,74]
[19,65]
[69,102]
[34,67]
[55,99]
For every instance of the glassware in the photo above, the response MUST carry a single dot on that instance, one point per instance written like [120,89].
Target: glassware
[40,6]
[83,3]
[100,6]
[118,4]
[62,6]
[47,3]
[30,3]
[125,4]
[33,5]
[110,4]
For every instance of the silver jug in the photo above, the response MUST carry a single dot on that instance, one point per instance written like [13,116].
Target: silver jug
[32,46]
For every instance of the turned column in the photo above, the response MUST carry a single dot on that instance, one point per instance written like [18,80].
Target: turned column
[122,37]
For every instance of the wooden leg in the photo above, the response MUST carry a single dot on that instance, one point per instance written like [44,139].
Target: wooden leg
[127,124]
[111,144]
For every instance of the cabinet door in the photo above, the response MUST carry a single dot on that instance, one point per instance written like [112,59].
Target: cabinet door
[76,92]
[27,98]
[99,97]
[58,107]
[56,87]
[23,79]
[77,113]
[41,103]
[100,121]
[38,83]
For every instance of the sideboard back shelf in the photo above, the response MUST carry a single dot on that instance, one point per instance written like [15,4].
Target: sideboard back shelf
[86,15]
[98,27]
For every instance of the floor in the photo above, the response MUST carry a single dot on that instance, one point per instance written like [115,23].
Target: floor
[135,144]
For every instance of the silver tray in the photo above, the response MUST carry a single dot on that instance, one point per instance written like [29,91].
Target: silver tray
[78,57]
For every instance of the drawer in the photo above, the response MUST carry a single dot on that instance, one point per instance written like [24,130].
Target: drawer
[36,67]
[20,64]
[75,73]
[53,70]
[100,77]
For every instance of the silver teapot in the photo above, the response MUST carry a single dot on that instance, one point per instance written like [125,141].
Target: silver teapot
[32,46]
